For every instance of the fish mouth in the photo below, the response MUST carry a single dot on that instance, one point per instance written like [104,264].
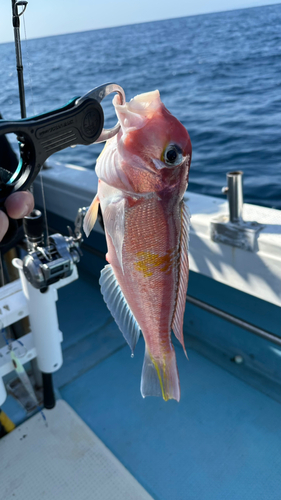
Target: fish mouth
[134,114]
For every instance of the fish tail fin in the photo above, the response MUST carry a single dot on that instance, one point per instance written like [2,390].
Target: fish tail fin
[91,216]
[160,378]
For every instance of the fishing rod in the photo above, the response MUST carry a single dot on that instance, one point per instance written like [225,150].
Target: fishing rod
[80,121]
[16,25]
[16,14]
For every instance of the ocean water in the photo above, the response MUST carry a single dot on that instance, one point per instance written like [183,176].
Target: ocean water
[219,74]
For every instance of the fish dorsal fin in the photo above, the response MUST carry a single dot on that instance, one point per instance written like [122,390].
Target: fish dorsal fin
[177,324]
[91,216]
[118,306]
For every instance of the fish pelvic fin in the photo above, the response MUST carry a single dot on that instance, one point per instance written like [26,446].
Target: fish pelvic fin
[91,216]
[177,323]
[118,306]
[160,378]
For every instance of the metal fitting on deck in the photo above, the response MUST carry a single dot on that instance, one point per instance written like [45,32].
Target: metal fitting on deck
[231,229]
[234,192]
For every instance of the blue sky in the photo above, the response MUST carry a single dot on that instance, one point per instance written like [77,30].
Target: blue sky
[53,17]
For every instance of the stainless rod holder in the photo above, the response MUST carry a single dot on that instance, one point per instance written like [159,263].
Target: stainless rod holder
[234,192]
[231,229]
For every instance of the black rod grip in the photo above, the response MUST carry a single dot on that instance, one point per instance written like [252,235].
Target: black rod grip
[48,391]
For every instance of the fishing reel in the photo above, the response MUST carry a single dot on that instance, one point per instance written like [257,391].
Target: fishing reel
[45,265]
[79,122]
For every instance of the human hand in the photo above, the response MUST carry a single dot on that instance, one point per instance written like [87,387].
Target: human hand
[17,205]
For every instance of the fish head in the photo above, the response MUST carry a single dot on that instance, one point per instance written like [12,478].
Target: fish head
[154,148]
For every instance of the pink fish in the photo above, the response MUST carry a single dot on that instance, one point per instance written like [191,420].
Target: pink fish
[143,174]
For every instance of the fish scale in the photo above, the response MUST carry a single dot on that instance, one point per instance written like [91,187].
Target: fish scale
[156,310]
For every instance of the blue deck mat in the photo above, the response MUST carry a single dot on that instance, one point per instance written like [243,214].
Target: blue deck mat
[221,442]
[81,309]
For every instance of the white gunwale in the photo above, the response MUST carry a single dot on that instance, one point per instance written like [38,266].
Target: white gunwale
[68,187]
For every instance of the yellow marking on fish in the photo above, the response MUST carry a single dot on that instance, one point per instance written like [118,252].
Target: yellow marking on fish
[148,261]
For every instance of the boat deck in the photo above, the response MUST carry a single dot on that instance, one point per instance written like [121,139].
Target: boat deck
[222,441]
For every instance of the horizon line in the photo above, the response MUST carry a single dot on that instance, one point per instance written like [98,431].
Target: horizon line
[147,22]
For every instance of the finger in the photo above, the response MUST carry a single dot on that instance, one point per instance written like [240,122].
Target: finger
[4,224]
[19,204]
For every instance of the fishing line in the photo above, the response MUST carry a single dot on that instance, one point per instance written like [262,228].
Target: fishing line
[44,208]
[9,340]
[28,66]
[33,111]
[2,277]
[29,81]
[1,270]
[19,368]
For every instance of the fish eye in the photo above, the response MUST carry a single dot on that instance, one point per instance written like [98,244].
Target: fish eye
[173,155]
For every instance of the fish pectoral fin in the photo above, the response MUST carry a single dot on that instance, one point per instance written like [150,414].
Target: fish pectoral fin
[91,216]
[114,222]
[160,378]
[177,323]
[118,306]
